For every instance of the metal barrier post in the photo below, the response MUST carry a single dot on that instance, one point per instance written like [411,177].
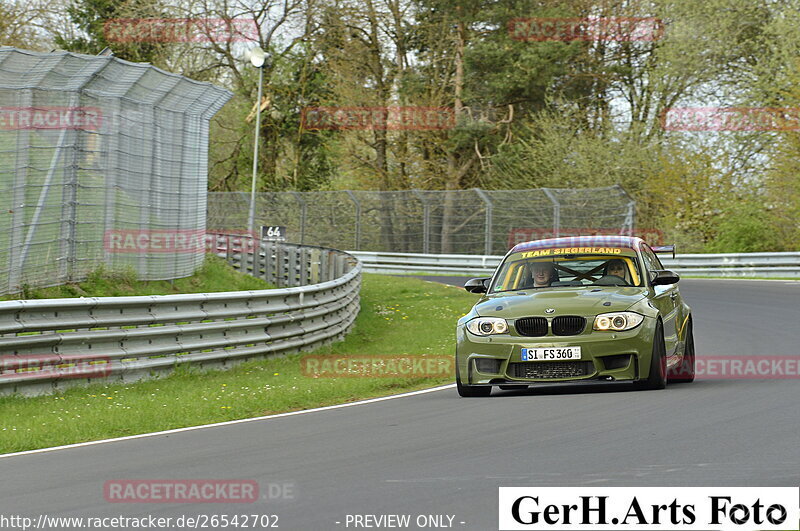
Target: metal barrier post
[269,264]
[280,267]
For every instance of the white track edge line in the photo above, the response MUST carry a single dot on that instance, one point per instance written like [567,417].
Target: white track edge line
[229,422]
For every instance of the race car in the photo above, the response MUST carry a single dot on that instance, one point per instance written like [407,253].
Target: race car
[575,309]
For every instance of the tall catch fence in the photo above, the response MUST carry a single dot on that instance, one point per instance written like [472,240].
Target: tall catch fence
[471,221]
[99,159]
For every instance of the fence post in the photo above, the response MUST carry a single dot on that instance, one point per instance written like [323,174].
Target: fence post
[426,221]
[111,161]
[303,205]
[556,212]
[630,215]
[22,158]
[487,235]
[358,218]
[69,207]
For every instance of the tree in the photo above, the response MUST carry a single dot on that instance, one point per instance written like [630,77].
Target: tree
[94,18]
[22,24]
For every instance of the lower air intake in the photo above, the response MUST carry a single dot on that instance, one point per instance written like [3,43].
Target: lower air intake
[487,365]
[543,370]
[617,361]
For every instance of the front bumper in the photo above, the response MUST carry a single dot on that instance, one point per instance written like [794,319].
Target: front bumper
[605,356]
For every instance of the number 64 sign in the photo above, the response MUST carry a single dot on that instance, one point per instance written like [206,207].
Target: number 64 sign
[273,233]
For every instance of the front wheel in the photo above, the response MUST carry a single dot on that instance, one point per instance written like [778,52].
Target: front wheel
[657,377]
[471,391]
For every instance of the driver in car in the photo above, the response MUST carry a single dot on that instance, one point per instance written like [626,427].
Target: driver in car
[543,274]
[618,268]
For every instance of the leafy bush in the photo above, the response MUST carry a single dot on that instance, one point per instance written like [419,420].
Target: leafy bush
[746,227]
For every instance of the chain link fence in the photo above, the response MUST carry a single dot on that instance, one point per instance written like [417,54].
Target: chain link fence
[472,221]
[102,161]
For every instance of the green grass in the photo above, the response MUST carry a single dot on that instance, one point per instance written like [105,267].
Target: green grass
[398,316]
[214,275]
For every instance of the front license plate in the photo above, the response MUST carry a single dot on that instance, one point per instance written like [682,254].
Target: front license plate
[551,353]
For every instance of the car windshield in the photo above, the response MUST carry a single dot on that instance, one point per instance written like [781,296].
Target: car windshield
[531,270]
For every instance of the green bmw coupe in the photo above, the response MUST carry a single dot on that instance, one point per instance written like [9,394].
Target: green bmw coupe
[577,309]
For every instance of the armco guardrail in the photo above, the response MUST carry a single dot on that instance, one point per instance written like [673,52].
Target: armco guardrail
[743,265]
[432,264]
[45,343]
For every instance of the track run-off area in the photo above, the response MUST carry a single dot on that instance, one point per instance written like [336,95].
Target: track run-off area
[433,453]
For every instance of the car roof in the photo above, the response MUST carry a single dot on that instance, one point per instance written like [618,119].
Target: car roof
[629,242]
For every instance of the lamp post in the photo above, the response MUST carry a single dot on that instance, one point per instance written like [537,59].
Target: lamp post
[257,59]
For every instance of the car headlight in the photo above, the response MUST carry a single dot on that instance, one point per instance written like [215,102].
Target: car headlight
[486,326]
[617,321]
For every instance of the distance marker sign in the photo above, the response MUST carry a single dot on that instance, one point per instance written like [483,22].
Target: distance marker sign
[274,233]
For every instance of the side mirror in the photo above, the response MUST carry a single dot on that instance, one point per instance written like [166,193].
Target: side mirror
[663,277]
[477,285]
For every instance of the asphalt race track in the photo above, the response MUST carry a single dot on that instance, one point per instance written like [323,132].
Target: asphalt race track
[435,453]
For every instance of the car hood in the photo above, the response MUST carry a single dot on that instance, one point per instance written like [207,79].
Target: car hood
[565,301]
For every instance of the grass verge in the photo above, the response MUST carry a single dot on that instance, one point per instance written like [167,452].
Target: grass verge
[398,316]
[214,275]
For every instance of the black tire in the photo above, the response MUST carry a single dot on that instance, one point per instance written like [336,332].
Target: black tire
[657,377]
[513,387]
[471,391]
[685,372]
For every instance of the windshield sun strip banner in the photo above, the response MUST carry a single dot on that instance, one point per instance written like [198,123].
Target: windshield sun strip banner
[562,251]
[578,241]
